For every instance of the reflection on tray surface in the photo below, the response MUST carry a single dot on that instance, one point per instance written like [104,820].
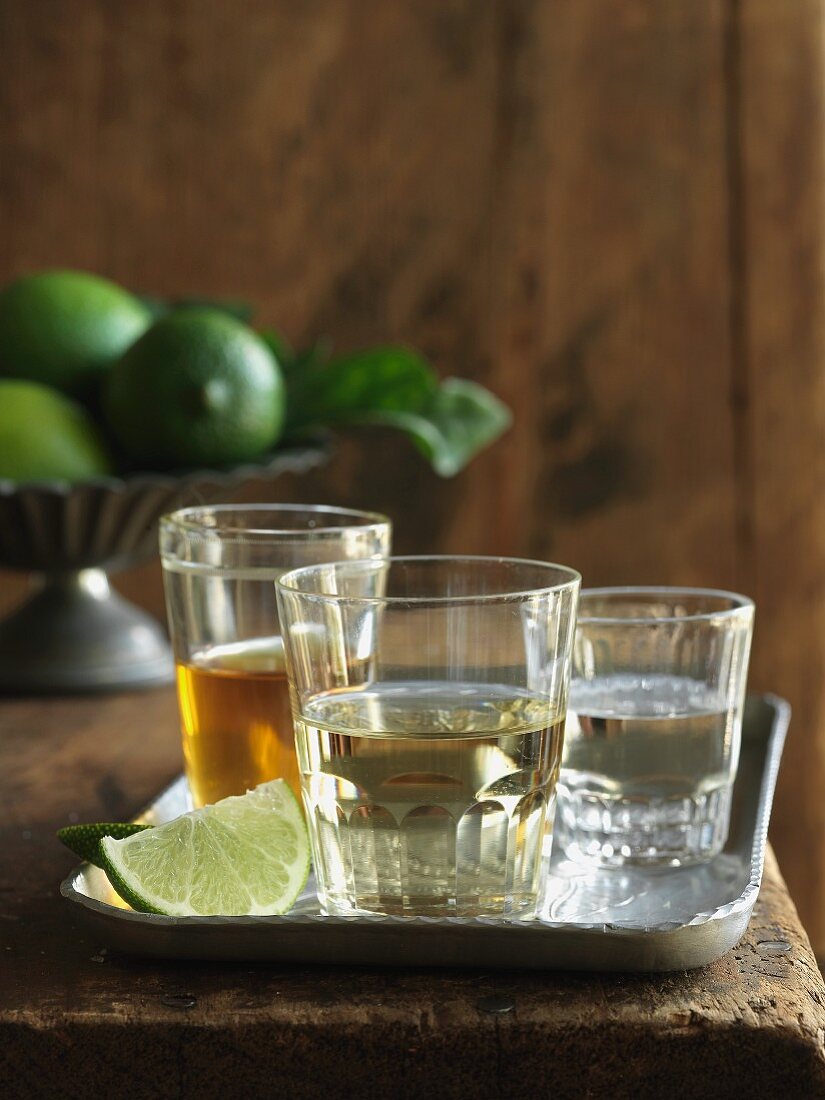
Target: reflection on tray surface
[637,898]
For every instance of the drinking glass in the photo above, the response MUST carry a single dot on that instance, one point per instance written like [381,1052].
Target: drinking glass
[654,725]
[429,696]
[220,564]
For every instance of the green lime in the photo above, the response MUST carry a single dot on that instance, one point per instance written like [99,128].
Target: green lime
[45,436]
[199,388]
[244,856]
[64,328]
[84,840]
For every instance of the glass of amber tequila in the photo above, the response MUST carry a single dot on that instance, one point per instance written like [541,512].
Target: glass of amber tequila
[429,705]
[220,564]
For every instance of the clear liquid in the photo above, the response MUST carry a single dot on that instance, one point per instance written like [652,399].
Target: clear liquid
[429,797]
[647,770]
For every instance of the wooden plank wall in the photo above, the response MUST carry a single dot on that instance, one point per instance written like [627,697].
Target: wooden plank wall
[609,211]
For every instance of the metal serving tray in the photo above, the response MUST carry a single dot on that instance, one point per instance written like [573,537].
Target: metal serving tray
[628,920]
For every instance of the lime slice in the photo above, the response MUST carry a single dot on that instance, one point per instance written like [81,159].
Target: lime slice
[243,856]
[84,840]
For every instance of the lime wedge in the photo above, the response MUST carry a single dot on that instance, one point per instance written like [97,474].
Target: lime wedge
[244,856]
[84,840]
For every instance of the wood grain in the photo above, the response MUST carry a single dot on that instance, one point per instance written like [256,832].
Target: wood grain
[606,210]
[783,410]
[77,1020]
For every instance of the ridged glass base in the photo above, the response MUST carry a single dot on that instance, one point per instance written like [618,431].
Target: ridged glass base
[615,831]
[489,863]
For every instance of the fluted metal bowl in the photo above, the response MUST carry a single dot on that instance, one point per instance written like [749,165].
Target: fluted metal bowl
[75,633]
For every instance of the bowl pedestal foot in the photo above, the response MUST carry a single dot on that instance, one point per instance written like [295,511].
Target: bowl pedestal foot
[76,635]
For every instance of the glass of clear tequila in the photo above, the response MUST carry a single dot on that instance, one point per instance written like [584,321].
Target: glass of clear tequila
[654,725]
[220,564]
[429,698]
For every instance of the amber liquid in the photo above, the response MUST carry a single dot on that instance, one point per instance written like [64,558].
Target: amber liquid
[236,720]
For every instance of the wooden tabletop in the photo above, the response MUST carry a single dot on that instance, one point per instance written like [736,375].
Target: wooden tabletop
[77,1020]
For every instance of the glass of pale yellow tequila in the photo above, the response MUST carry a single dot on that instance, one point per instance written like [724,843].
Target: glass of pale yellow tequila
[220,564]
[429,698]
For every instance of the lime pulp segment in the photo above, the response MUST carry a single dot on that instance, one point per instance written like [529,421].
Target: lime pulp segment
[247,855]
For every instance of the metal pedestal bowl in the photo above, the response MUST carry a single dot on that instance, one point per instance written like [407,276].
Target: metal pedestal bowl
[74,634]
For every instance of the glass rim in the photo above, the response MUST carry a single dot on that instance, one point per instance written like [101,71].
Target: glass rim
[572,582]
[738,604]
[186,521]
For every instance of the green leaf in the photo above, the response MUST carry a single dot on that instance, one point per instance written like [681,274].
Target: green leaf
[299,363]
[279,346]
[339,390]
[395,387]
[314,358]
[461,419]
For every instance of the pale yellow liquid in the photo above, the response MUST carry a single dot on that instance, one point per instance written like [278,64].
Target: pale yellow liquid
[429,798]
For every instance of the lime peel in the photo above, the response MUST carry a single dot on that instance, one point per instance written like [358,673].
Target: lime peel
[247,855]
[84,840]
